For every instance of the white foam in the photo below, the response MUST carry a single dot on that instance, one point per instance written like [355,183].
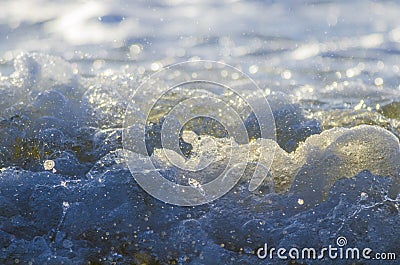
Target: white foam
[318,162]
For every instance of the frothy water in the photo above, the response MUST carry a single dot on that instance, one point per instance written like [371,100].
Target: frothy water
[69,70]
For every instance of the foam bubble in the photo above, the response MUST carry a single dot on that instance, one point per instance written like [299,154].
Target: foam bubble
[313,168]
[342,153]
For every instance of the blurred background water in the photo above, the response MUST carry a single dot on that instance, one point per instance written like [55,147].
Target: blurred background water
[337,52]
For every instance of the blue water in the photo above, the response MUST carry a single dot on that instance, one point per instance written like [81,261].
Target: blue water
[68,69]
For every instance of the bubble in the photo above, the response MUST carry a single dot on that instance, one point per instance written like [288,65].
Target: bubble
[50,103]
[286,74]
[155,66]
[378,81]
[52,136]
[135,49]
[253,69]
[49,165]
